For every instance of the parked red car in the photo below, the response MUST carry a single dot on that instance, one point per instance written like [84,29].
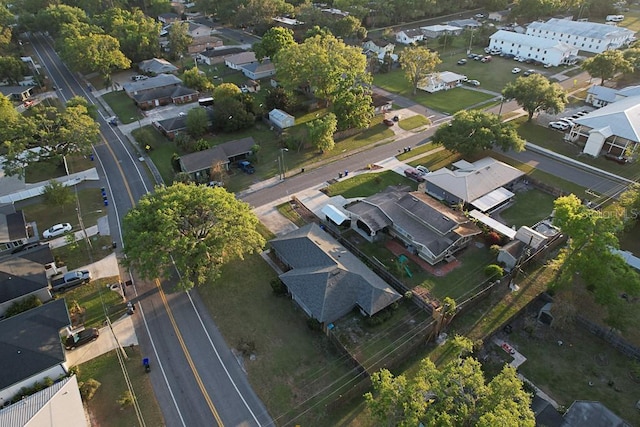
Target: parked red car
[388,122]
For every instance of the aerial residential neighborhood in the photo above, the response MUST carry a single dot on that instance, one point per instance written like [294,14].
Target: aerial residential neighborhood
[319,214]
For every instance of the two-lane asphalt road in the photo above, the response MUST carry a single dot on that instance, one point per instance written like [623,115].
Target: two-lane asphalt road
[196,378]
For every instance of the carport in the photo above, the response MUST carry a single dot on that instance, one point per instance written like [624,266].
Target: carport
[335,215]
[495,225]
[492,200]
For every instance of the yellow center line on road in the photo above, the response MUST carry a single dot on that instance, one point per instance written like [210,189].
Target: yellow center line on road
[158,285]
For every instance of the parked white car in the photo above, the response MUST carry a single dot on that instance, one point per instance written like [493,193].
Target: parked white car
[559,125]
[57,230]
[515,70]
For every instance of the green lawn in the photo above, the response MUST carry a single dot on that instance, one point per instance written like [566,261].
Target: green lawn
[162,151]
[91,206]
[449,101]
[416,151]
[46,170]
[414,122]
[81,253]
[367,184]
[288,212]
[292,362]
[122,106]
[97,300]
[103,407]
[529,208]
[437,160]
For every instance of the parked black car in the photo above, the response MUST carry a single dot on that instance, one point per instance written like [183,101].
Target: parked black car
[618,159]
[81,338]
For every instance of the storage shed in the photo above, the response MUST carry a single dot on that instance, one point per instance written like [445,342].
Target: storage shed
[281,119]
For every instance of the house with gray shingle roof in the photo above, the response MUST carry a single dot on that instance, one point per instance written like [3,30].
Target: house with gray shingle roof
[327,280]
[13,227]
[432,229]
[163,89]
[601,96]
[157,66]
[470,182]
[30,344]
[198,164]
[259,70]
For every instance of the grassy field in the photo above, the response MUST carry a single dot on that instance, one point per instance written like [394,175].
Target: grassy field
[122,106]
[529,207]
[44,171]
[292,363]
[104,408]
[367,184]
[97,300]
[287,211]
[414,122]
[91,207]
[416,151]
[81,253]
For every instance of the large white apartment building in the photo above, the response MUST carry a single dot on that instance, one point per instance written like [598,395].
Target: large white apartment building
[539,49]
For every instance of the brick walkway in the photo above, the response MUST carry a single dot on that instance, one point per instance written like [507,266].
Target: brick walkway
[442,269]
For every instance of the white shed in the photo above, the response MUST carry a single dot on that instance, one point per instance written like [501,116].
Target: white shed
[281,119]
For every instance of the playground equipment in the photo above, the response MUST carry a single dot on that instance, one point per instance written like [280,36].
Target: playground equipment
[403,260]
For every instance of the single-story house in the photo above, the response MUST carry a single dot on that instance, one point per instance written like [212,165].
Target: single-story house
[202,43]
[196,30]
[24,275]
[381,104]
[157,66]
[467,24]
[599,96]
[378,46]
[470,182]
[289,23]
[217,56]
[162,89]
[172,126]
[433,230]
[237,61]
[335,13]
[259,70]
[168,18]
[614,128]
[499,16]
[383,57]
[58,404]
[251,85]
[443,80]
[30,344]
[588,36]
[198,164]
[435,31]
[544,50]
[409,36]
[17,93]
[14,231]
[281,119]
[592,413]
[325,279]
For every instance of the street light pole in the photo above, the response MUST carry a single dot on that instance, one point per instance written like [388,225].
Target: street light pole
[282,164]
[501,103]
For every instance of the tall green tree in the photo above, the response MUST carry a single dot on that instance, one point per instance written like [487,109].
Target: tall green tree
[138,34]
[536,93]
[194,79]
[92,109]
[456,395]
[259,12]
[12,69]
[607,64]
[272,42]
[321,63]
[179,39]
[54,17]
[349,27]
[49,134]
[473,131]
[588,259]
[197,122]
[55,194]
[352,106]
[321,132]
[94,53]
[629,200]
[417,62]
[194,228]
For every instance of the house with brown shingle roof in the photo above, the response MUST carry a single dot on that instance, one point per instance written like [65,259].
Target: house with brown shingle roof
[198,164]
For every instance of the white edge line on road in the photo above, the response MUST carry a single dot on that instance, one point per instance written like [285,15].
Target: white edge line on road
[220,359]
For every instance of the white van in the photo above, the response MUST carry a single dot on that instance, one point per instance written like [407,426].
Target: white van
[614,18]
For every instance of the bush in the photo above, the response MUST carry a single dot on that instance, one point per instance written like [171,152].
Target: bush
[494,249]
[88,389]
[24,304]
[492,238]
[126,399]
[247,348]
[278,287]
[494,271]
[313,324]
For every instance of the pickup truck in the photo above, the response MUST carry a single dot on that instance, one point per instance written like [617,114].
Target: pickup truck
[69,280]
[246,167]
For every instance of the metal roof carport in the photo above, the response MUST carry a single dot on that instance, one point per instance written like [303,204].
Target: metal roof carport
[495,225]
[492,199]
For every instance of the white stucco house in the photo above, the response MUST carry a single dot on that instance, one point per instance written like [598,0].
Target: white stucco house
[540,49]
[444,80]
[409,36]
[587,36]
[435,31]
[613,129]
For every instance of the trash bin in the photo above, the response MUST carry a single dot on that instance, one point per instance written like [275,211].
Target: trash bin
[114,245]
[339,174]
